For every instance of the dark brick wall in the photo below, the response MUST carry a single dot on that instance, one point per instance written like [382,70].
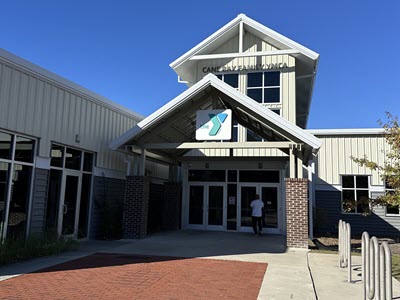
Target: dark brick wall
[136,207]
[172,206]
[107,208]
[297,212]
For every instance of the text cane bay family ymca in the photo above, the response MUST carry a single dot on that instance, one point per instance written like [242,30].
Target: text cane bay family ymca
[86,167]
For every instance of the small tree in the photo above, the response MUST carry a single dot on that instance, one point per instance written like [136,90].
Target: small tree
[390,170]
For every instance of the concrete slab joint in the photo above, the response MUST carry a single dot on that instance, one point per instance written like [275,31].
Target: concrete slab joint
[136,207]
[297,212]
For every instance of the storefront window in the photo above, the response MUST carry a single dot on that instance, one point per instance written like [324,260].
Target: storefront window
[17,155]
[5,145]
[73,159]
[20,191]
[4,172]
[57,156]
[24,149]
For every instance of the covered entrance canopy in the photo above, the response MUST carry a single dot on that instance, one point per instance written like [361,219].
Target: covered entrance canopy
[170,131]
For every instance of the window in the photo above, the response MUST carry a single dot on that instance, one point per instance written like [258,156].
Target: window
[391,209]
[355,194]
[207,175]
[17,155]
[231,79]
[264,87]
[5,145]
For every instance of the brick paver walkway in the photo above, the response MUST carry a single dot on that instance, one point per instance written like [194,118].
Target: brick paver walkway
[119,276]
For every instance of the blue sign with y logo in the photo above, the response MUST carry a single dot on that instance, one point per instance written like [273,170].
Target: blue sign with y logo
[214,125]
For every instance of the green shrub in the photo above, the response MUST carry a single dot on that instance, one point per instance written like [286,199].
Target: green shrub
[45,244]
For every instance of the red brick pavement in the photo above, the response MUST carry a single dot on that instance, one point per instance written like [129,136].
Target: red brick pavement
[119,276]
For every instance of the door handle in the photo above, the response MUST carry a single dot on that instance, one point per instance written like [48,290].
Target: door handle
[65,209]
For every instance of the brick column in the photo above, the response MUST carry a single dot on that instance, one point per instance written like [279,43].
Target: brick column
[172,205]
[136,207]
[297,212]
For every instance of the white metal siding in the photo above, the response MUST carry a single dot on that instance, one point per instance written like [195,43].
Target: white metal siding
[33,105]
[333,158]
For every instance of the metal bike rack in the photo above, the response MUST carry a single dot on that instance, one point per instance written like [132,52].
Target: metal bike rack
[345,247]
[376,268]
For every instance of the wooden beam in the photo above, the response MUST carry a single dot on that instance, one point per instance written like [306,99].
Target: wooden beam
[219,145]
[243,54]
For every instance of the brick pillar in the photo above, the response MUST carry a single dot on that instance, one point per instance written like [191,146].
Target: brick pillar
[297,212]
[136,207]
[172,206]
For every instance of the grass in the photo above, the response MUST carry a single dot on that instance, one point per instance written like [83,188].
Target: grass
[19,249]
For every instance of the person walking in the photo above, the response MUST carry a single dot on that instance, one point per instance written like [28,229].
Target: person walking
[256,214]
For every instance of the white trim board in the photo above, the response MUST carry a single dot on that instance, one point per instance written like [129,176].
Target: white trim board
[350,131]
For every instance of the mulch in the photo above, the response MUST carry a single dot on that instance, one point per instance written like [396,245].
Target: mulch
[120,276]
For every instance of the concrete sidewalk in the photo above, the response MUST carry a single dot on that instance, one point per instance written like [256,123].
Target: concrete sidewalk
[291,273]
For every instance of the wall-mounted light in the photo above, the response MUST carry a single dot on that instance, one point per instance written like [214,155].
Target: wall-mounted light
[207,166]
[77,140]
[260,165]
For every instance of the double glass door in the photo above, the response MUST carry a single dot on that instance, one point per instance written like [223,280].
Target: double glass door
[68,216]
[207,206]
[270,195]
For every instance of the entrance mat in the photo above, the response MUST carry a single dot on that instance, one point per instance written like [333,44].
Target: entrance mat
[121,276]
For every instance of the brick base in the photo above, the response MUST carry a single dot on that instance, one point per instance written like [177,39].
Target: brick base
[136,207]
[297,212]
[172,205]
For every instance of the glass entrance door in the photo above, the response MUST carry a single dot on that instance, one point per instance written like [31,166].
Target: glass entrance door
[270,195]
[207,208]
[69,204]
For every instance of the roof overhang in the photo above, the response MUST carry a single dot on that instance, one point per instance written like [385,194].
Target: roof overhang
[306,59]
[175,122]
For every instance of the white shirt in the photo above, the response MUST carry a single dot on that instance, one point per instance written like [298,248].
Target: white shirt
[257,206]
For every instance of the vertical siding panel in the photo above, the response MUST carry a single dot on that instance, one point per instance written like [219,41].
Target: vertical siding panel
[22,103]
[31,111]
[63,100]
[3,98]
[53,112]
[39,107]
[47,106]
[77,118]
[14,97]
[84,124]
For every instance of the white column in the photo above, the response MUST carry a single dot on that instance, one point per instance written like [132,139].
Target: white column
[292,163]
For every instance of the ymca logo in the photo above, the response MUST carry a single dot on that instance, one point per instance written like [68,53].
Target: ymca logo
[213,124]
[217,121]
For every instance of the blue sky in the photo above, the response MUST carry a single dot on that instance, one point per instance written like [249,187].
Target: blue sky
[122,49]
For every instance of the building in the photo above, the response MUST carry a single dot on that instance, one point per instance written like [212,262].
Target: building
[240,129]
